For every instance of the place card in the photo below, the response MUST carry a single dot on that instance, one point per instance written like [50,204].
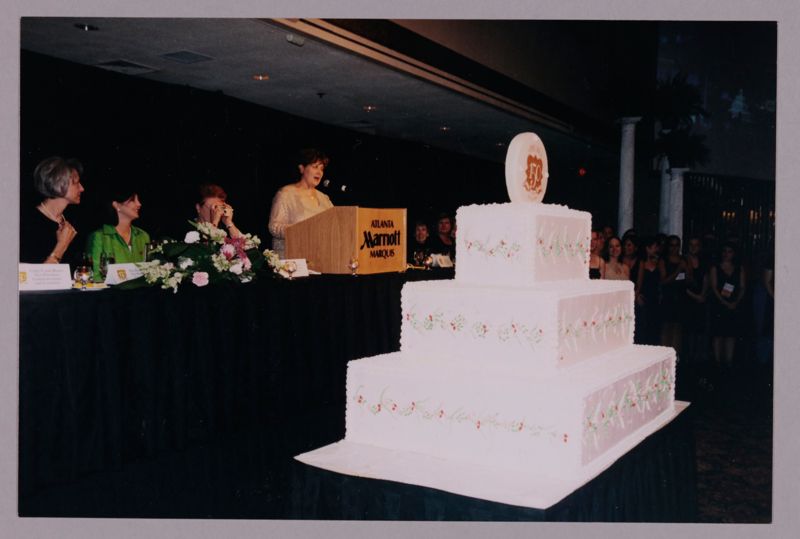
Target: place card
[44,277]
[119,273]
[442,261]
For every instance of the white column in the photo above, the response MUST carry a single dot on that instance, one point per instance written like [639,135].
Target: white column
[626,155]
[676,202]
[664,199]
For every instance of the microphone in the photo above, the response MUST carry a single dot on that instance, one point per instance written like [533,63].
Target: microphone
[327,182]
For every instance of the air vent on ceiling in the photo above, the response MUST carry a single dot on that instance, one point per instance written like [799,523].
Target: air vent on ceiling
[186,57]
[126,67]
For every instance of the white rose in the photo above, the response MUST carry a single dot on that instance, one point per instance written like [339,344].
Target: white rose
[193,236]
[236,269]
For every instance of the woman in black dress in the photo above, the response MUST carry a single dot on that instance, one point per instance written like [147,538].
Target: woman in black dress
[674,272]
[648,323]
[727,283]
[696,322]
[45,235]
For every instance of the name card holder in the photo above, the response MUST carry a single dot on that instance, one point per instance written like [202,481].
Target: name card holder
[119,273]
[44,277]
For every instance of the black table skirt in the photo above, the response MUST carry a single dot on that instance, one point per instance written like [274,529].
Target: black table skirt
[654,482]
[145,403]
[112,376]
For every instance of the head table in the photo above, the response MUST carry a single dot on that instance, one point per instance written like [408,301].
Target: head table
[145,403]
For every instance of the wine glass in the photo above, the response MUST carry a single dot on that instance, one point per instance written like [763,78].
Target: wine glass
[428,262]
[419,257]
[353,265]
[105,260]
[290,267]
[83,274]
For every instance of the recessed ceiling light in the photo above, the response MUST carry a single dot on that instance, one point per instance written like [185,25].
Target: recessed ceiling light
[260,76]
[86,27]
[499,143]
[445,128]
[370,108]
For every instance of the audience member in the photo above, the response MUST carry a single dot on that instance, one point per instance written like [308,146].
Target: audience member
[763,308]
[727,283]
[648,322]
[696,320]
[442,243]
[597,265]
[419,248]
[630,255]
[615,269]
[674,273]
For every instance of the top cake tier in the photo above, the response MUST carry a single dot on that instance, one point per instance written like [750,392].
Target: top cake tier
[519,244]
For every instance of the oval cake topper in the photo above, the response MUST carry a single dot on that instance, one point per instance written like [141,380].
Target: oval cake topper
[526,168]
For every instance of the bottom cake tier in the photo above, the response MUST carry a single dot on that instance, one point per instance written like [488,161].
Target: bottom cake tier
[553,425]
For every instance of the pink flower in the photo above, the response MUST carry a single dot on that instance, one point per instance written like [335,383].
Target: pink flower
[228,251]
[200,278]
[246,262]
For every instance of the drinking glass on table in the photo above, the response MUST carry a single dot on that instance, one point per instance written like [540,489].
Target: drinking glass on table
[290,267]
[105,260]
[83,271]
[353,265]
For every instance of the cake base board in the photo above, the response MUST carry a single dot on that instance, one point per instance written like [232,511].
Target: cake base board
[483,482]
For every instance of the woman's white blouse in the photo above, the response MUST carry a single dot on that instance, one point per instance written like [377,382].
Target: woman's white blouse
[291,205]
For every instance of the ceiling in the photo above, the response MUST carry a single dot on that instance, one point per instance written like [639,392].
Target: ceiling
[322,79]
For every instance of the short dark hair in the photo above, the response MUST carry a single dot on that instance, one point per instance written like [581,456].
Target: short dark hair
[120,192]
[52,176]
[309,156]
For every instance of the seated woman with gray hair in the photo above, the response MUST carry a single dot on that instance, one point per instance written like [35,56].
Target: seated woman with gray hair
[45,234]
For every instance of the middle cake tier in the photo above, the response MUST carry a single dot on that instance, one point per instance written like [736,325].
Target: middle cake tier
[545,326]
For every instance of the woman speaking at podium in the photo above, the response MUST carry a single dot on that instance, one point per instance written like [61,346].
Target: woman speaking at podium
[300,200]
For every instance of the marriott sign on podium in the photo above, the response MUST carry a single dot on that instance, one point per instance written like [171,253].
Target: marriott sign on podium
[331,239]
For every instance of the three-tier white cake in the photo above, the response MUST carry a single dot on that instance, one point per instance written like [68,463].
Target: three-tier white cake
[520,369]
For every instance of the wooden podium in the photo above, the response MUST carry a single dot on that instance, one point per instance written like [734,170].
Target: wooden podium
[329,240]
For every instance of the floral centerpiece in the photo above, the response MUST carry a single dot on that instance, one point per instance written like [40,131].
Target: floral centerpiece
[206,255]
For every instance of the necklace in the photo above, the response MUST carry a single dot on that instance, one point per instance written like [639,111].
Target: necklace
[60,219]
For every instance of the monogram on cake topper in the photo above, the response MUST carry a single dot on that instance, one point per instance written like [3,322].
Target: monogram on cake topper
[526,168]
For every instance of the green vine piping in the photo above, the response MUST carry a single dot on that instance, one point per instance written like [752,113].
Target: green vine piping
[420,409]
[459,324]
[614,413]
[580,328]
[561,246]
[501,248]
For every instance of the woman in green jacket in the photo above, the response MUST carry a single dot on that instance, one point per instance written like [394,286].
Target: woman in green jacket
[123,242]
